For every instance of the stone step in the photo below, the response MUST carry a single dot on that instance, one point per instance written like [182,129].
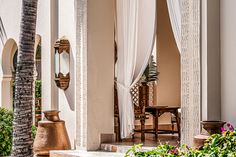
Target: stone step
[77,153]
[119,148]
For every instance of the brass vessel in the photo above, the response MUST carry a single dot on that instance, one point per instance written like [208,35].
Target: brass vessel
[51,134]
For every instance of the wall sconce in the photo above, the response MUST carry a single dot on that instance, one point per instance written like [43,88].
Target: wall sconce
[62,63]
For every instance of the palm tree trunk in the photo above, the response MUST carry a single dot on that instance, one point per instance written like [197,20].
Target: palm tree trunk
[22,123]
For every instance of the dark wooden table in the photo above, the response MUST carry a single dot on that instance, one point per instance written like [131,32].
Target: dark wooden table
[157,111]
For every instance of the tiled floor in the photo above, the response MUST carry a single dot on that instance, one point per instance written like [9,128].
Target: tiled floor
[150,142]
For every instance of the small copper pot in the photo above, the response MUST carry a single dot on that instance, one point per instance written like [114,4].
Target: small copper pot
[51,134]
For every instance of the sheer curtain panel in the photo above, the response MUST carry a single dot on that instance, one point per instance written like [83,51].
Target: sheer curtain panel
[175,19]
[136,21]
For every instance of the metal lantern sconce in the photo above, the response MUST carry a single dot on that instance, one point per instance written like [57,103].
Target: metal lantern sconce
[62,63]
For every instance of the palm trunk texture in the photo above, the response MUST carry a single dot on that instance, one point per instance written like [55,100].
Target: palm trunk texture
[23,101]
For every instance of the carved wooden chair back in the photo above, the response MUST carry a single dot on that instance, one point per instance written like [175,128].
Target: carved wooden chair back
[139,94]
[140,100]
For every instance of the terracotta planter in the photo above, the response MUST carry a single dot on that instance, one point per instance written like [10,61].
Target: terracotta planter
[51,134]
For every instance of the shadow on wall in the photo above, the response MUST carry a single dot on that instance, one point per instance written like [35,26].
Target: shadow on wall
[3,35]
[70,92]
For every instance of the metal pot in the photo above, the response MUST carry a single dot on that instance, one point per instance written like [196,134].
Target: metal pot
[51,134]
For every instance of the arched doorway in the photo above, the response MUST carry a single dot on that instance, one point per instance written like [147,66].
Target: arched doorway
[37,80]
[9,63]
[190,72]
[8,52]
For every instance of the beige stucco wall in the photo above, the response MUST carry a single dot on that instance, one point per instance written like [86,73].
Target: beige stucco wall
[11,29]
[11,23]
[228,56]
[100,71]
[66,99]
[56,19]
[47,27]
[168,60]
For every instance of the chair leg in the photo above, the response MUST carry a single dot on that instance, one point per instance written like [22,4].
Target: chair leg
[178,123]
[142,130]
[154,126]
[117,130]
[119,137]
[172,127]
[179,131]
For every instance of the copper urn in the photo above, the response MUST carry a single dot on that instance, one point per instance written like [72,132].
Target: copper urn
[51,134]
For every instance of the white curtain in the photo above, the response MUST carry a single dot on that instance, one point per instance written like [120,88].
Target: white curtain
[175,19]
[135,38]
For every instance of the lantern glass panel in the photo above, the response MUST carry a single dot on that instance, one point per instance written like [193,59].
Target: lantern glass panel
[57,63]
[64,63]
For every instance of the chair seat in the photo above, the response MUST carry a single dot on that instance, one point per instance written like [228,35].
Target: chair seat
[141,116]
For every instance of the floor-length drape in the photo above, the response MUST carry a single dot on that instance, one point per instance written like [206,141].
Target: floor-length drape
[175,19]
[135,38]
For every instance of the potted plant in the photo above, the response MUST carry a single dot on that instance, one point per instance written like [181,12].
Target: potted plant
[150,74]
[148,80]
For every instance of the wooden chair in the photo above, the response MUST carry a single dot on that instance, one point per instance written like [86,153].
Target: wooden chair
[174,121]
[140,101]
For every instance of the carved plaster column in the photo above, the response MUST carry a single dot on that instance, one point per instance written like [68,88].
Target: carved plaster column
[81,74]
[190,71]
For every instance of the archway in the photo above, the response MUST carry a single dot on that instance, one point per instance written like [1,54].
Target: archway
[8,52]
[9,60]
[37,80]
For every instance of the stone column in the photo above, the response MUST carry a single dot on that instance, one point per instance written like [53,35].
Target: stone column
[190,71]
